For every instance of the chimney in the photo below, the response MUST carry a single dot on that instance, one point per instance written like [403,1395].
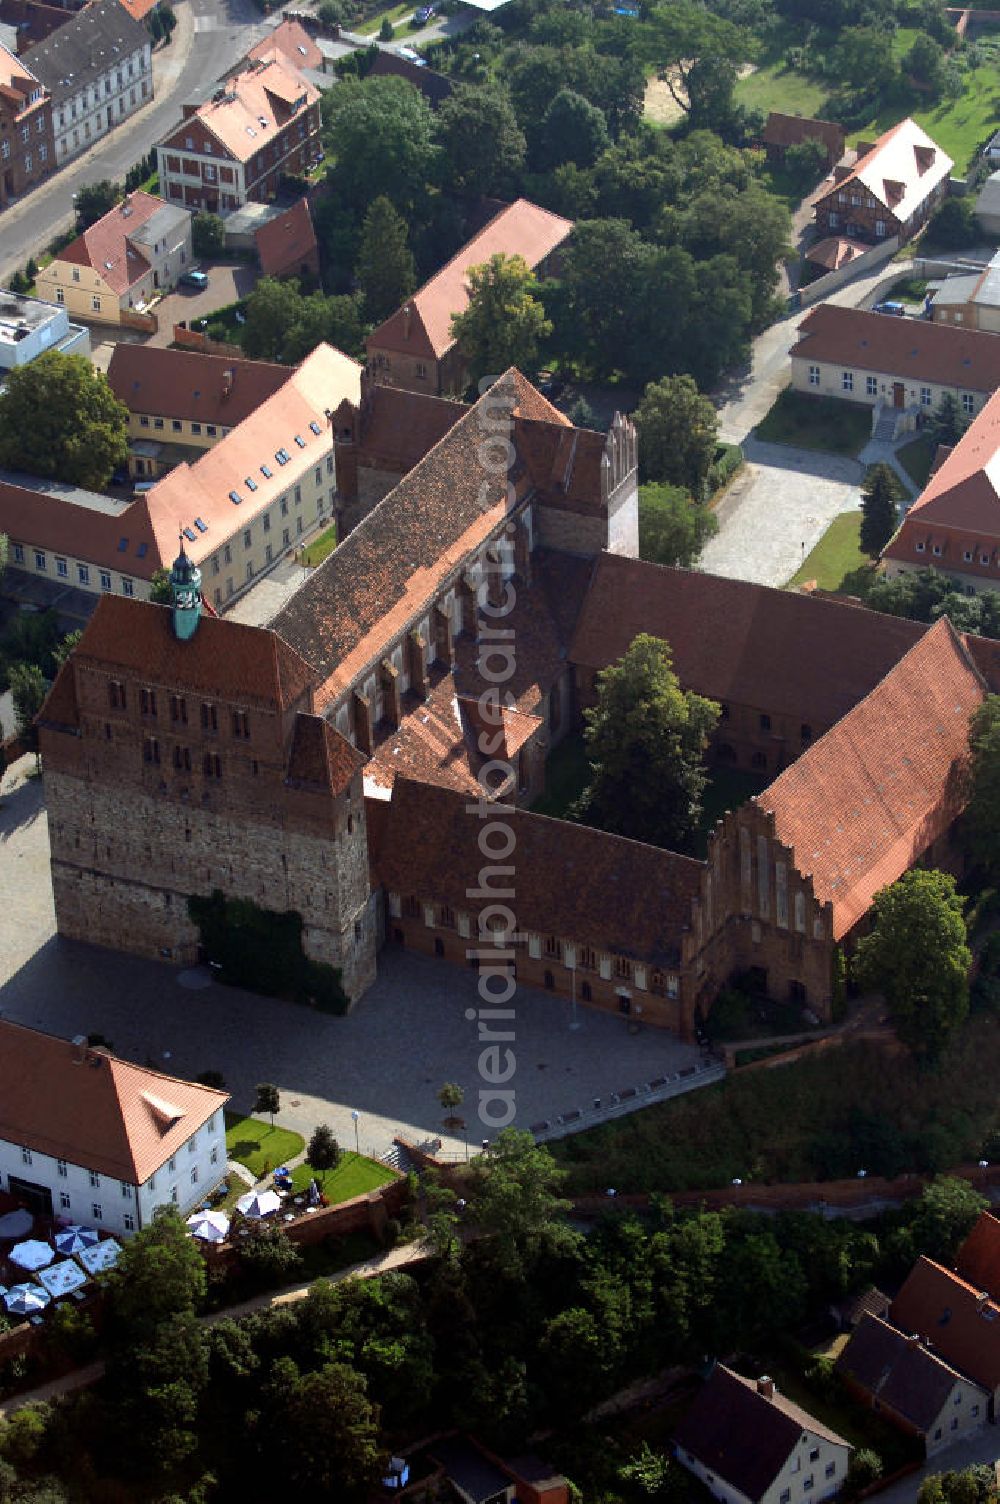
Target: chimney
[407,319]
[78,1048]
[840,172]
[864,147]
[765,1386]
[982,1300]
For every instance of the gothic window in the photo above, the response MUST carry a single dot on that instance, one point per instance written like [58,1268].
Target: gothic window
[209,717]
[241,724]
[151,750]
[178,709]
[446,917]
[588,958]
[182,759]
[212,765]
[411,908]
[116,695]
[657,984]
[553,947]
[147,701]
[586,992]
[623,968]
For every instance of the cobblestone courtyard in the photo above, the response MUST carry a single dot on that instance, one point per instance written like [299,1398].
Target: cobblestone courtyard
[386,1060]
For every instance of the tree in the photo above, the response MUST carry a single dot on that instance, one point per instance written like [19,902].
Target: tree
[323,1152]
[59,417]
[334,321]
[385,271]
[380,131]
[944,1216]
[976,1484]
[981,823]
[925,62]
[450,1095]
[272,310]
[160,589]
[946,424]
[673,529]
[697,54]
[504,322]
[482,145]
[268,1099]
[954,226]
[94,201]
[916,955]
[678,433]
[864,56]
[512,1196]
[646,740]
[27,690]
[331,1431]
[208,234]
[386,31]
[572,130]
[806,163]
[159,1276]
[864,1469]
[63,649]
[880,498]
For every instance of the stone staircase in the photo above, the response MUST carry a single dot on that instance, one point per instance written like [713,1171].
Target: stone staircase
[885,428]
[398,1159]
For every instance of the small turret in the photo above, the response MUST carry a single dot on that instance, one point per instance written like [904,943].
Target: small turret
[185,590]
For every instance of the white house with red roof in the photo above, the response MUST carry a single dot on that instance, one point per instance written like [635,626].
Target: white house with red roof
[893,188]
[138,248]
[95,1139]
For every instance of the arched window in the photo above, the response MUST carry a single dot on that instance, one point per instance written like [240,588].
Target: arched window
[550,982]
[585,992]
[759,760]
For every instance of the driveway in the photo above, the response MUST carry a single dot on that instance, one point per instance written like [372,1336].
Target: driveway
[414,1030]
[982,1448]
[777,510]
[227,281]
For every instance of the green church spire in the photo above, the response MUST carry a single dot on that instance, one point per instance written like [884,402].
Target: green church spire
[185,590]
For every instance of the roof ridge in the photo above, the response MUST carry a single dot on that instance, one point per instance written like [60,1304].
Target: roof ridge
[490,223]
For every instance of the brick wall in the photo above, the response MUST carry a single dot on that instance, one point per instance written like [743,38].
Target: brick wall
[193,339]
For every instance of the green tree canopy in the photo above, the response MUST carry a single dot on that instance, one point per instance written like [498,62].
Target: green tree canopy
[975,1484]
[916,955]
[697,53]
[59,417]
[160,589]
[380,133]
[93,201]
[947,423]
[272,310]
[513,1196]
[806,162]
[159,1276]
[926,63]
[323,1152]
[504,323]
[385,271]
[482,145]
[267,1099]
[572,130]
[673,528]
[27,690]
[981,822]
[880,498]
[678,433]
[208,234]
[330,1432]
[646,740]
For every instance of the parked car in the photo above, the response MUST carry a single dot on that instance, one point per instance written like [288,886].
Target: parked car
[896,309]
[412,56]
[423,14]
[194,279]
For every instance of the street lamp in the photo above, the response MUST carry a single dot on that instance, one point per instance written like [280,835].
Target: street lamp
[354,1117]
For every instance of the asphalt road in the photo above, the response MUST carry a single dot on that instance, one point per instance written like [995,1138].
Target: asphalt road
[210,36]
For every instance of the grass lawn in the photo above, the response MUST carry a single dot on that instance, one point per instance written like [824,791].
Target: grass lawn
[394,13]
[353,1176]
[567,772]
[257,1145]
[774,86]
[817,423]
[316,551]
[916,459]
[836,1409]
[837,563]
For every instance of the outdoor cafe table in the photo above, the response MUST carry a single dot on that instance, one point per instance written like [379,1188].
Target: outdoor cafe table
[60,1279]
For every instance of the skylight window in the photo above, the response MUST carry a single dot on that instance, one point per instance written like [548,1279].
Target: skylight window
[300,441]
[122,545]
[315,427]
[251,131]
[142,550]
[235,498]
[189,534]
[201,526]
[282,456]
[250,483]
[266,472]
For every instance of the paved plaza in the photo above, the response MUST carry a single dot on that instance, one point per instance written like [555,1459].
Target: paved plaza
[386,1060]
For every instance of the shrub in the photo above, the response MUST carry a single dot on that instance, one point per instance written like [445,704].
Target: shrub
[864,1468]
[392,1232]
[267,1256]
[385,31]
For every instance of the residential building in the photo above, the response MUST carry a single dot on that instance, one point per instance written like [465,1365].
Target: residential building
[92,1138]
[28,327]
[783,131]
[909,1384]
[139,248]
[259,126]
[988,206]
[414,348]
[899,367]
[748,1444]
[978,1259]
[182,402]
[969,298]
[286,245]
[26,144]
[475,1475]
[97,70]
[893,188]
[26,22]
[959,1321]
[72,537]
[292,45]
[954,524]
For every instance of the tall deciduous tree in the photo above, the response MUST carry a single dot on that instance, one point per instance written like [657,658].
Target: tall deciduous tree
[380,132]
[323,1152]
[272,310]
[673,528]
[697,54]
[330,1432]
[917,956]
[513,1195]
[482,144]
[27,690]
[59,417]
[678,432]
[981,822]
[646,740]
[504,323]
[385,270]
[268,1099]
[572,130]
[93,201]
[208,234]
[880,498]
[159,1276]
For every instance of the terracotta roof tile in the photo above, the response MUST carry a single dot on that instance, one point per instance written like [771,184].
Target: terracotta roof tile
[400,427]
[102,1113]
[865,801]
[792,130]
[903,1375]
[961,1325]
[910,349]
[186,384]
[836,251]
[522,229]
[105,248]
[287,241]
[978,1259]
[775,650]
[901,170]
[321,756]
[223,657]
[743,1437]
[256,103]
[60,710]
[292,43]
[59,519]
[570,880]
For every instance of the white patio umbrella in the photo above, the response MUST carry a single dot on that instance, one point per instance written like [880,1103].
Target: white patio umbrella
[103,1255]
[259,1203]
[74,1239]
[34,1254]
[16,1223]
[211,1227]
[25,1300]
[62,1278]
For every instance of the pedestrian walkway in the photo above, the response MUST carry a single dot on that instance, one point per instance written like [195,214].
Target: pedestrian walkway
[879,451]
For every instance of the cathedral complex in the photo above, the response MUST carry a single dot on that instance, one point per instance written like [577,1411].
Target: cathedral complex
[347,761]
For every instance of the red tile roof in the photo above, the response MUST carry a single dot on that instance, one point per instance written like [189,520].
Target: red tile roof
[97,1111]
[138,9]
[775,650]
[900,170]
[400,427]
[423,325]
[287,242]
[863,803]
[836,251]
[292,44]
[792,130]
[107,242]
[960,1323]
[186,384]
[978,1259]
[570,880]
[958,510]
[254,105]
[321,757]
[898,1372]
[907,349]
[57,519]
